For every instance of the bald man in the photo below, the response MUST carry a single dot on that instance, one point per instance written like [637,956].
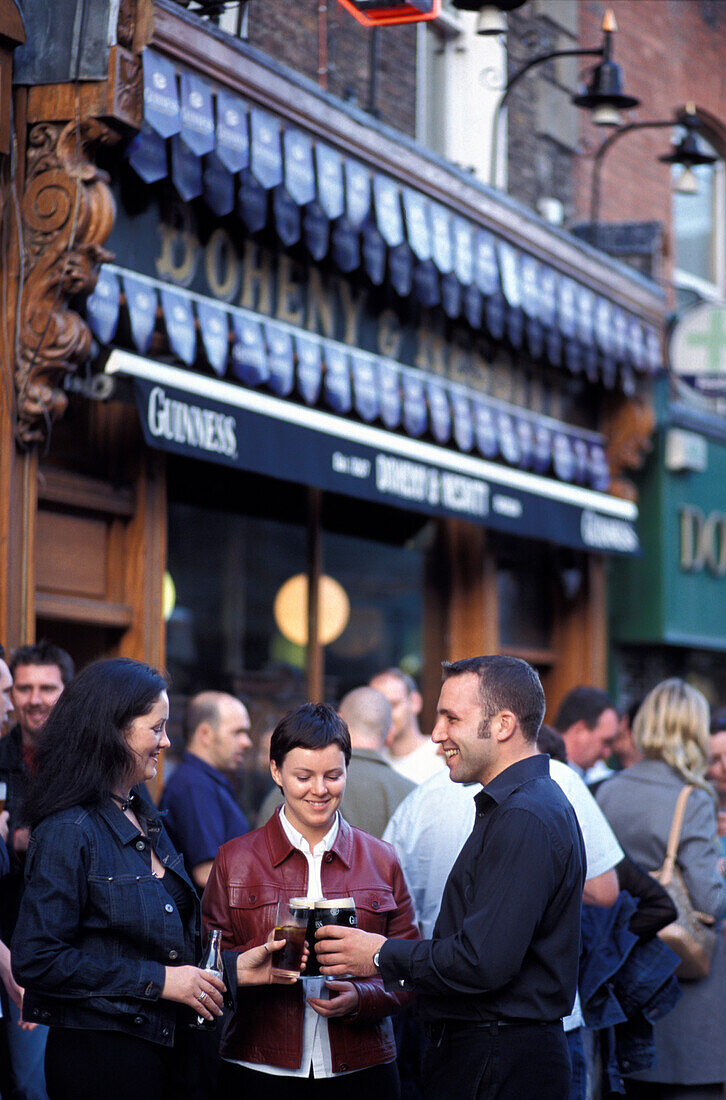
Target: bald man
[373,789]
[202,812]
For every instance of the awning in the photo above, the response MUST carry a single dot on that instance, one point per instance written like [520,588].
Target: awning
[196,416]
[257,351]
[240,157]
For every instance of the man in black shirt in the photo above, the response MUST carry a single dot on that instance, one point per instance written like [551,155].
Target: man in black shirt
[501,969]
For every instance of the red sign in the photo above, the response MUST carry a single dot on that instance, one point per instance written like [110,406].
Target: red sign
[384,13]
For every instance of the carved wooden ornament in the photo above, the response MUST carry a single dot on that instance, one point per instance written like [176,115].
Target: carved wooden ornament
[67,214]
[629,428]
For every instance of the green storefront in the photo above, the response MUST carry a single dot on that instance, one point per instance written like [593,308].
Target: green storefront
[668,606]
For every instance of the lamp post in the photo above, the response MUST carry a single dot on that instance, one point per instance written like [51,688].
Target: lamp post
[604,95]
[685,152]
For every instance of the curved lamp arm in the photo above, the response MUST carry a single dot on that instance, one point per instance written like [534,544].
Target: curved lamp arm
[603,149]
[514,79]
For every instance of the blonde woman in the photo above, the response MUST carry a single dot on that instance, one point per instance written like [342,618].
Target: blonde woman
[671,731]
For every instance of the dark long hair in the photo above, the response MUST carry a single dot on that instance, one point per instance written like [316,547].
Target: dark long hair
[82,751]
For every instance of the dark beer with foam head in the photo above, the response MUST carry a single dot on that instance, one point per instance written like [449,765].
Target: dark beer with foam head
[338,911]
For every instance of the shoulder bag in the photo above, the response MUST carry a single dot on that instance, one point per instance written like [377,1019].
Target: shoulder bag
[691,935]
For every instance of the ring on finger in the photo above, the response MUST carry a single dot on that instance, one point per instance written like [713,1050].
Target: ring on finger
[202,995]
[267,948]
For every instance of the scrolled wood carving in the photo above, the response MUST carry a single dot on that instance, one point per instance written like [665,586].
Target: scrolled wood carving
[629,427]
[67,215]
[127,22]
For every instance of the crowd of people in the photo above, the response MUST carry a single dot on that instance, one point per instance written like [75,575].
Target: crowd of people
[503,877]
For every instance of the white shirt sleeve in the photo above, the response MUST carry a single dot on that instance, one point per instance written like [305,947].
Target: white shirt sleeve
[601,848]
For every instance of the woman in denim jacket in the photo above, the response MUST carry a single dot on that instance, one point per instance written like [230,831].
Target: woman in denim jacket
[108,931]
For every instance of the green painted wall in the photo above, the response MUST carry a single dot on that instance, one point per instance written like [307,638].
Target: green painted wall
[654,598]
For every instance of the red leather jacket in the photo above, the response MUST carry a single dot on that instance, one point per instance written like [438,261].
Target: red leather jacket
[241,896]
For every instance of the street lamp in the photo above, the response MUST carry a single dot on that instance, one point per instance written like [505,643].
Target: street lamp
[688,153]
[685,152]
[604,96]
[491,18]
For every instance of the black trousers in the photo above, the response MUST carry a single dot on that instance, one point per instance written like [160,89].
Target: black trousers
[109,1065]
[240,1083]
[517,1062]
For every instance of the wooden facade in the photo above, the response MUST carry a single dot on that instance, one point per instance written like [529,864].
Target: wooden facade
[83,502]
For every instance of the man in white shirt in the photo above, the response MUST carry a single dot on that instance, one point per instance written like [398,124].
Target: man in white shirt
[407,749]
[430,827]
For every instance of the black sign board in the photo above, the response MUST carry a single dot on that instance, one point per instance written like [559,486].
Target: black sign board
[271,437]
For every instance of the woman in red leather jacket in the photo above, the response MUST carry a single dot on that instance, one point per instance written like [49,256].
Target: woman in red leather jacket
[332,1038]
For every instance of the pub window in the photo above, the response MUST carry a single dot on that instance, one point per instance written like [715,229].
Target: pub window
[525,599]
[241,554]
[232,545]
[377,555]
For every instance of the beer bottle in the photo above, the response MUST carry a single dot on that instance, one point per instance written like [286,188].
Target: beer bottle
[212,962]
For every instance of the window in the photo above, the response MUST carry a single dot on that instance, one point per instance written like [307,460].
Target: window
[699,221]
[235,542]
[525,598]
[377,555]
[231,546]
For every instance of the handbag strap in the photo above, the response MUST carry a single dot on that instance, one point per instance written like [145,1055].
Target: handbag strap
[674,837]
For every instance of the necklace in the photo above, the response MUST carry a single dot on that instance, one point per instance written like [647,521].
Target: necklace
[124,803]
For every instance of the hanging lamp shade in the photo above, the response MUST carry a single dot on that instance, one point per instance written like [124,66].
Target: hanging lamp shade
[688,153]
[491,15]
[687,150]
[386,13]
[604,95]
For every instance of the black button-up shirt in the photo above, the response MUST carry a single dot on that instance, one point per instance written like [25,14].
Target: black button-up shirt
[507,939]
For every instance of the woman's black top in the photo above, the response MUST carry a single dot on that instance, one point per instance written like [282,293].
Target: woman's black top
[178,891]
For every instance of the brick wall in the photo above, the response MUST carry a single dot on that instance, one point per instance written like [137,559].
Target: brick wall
[672,51]
[542,125]
[288,30]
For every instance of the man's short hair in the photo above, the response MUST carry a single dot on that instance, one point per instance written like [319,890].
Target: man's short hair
[367,711]
[44,653]
[582,704]
[311,726]
[398,674]
[505,683]
[200,708]
[551,742]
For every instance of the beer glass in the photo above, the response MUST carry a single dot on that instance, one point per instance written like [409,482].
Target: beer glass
[338,911]
[291,925]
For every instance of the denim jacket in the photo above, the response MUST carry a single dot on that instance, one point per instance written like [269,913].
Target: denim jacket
[626,984]
[96,927]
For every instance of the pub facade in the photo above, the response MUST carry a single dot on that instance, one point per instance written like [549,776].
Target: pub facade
[294,398]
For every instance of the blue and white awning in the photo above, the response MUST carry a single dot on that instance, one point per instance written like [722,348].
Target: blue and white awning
[256,352]
[238,157]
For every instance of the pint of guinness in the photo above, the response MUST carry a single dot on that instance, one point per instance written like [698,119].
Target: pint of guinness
[340,911]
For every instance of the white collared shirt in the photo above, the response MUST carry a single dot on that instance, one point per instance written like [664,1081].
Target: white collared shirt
[316,1041]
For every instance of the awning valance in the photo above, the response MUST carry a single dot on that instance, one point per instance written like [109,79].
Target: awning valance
[237,156]
[257,351]
[188,414]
